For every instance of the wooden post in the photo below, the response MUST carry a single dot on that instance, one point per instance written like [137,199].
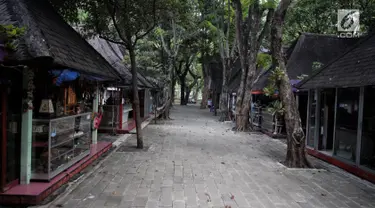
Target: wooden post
[120,110]
[317,119]
[26,132]
[359,127]
[95,110]
[156,105]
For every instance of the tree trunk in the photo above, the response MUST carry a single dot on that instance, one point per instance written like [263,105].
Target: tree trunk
[169,89]
[189,88]
[174,81]
[223,104]
[241,104]
[214,101]
[243,122]
[137,118]
[196,94]
[296,155]
[183,87]
[205,91]
[187,95]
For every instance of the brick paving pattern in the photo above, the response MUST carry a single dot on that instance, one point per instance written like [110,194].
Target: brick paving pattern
[195,161]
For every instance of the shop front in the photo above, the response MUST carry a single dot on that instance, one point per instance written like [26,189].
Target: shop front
[118,109]
[342,128]
[62,123]
[340,115]
[49,138]
[49,89]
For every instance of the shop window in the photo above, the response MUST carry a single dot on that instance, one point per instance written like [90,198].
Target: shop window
[368,129]
[347,123]
[313,101]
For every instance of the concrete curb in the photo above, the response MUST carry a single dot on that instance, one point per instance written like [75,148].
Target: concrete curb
[74,184]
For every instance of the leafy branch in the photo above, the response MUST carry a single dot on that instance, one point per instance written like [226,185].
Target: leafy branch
[9,34]
[275,77]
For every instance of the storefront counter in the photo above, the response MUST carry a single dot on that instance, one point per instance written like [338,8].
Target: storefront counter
[59,143]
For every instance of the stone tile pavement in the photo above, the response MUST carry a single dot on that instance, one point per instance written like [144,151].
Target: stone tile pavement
[195,161]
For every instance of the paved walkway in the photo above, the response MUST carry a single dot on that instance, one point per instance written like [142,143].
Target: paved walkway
[194,161]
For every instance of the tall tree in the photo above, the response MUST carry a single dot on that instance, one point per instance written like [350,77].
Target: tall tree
[182,69]
[296,156]
[171,47]
[207,44]
[250,33]
[124,23]
[224,39]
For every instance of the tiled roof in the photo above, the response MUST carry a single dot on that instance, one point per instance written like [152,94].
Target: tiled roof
[354,68]
[48,35]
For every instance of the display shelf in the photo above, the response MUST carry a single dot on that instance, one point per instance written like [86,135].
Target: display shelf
[61,143]
[55,144]
[59,156]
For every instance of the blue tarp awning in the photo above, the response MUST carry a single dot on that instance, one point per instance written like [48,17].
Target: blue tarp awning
[65,75]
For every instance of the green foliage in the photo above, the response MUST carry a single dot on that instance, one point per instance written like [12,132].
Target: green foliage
[269,4]
[276,108]
[11,33]
[264,60]
[320,16]
[275,77]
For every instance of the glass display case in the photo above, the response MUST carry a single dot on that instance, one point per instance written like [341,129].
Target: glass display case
[59,143]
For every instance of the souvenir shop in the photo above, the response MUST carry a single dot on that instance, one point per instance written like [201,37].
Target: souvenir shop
[62,121]
[118,109]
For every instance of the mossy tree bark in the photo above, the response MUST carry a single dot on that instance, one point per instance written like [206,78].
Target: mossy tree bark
[296,155]
[250,34]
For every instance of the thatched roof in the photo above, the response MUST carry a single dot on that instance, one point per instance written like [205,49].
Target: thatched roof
[306,50]
[354,68]
[114,54]
[49,36]
[312,48]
